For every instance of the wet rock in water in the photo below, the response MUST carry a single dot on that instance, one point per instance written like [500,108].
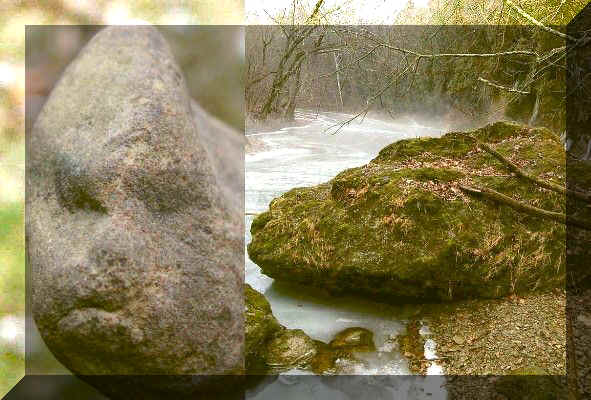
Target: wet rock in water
[412,346]
[260,326]
[134,240]
[335,360]
[324,362]
[291,348]
[354,339]
[401,227]
[339,356]
[270,347]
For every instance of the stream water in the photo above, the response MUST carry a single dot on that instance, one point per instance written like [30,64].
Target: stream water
[306,154]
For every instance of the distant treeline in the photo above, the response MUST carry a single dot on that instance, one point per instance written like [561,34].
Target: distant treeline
[466,73]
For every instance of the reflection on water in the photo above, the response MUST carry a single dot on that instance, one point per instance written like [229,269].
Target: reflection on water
[304,155]
[309,387]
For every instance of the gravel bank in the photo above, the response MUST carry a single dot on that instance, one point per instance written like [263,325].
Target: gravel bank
[499,337]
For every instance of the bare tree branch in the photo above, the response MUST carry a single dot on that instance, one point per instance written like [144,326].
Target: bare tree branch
[347,65]
[538,23]
[369,102]
[519,172]
[523,207]
[440,55]
[496,85]
[375,39]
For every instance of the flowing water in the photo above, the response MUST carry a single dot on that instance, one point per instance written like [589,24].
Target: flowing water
[307,154]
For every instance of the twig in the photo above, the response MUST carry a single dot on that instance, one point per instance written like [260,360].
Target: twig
[440,55]
[538,23]
[552,53]
[350,63]
[525,208]
[496,85]
[369,102]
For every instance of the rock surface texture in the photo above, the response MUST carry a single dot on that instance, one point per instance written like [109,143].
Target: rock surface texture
[134,223]
[403,227]
[260,327]
[272,349]
[356,338]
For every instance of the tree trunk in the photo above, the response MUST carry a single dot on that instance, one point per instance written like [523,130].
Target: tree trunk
[289,114]
[336,63]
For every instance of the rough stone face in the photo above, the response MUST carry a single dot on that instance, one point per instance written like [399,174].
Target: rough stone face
[289,349]
[401,228]
[270,347]
[134,221]
[340,355]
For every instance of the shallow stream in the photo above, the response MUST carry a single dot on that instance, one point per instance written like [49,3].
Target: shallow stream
[307,154]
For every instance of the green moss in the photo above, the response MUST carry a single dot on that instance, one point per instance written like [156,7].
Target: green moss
[450,145]
[260,221]
[433,174]
[260,326]
[498,131]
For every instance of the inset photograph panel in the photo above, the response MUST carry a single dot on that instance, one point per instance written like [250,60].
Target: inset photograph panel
[406,208]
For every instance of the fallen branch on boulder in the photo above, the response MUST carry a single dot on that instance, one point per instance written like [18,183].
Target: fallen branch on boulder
[525,208]
[519,172]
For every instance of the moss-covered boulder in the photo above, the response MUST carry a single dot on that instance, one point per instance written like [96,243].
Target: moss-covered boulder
[331,360]
[403,227]
[270,348]
[260,325]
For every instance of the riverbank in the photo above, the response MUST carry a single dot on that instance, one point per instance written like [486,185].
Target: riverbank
[501,336]
[512,336]
[252,125]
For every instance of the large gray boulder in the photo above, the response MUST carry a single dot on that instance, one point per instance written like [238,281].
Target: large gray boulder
[134,223]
